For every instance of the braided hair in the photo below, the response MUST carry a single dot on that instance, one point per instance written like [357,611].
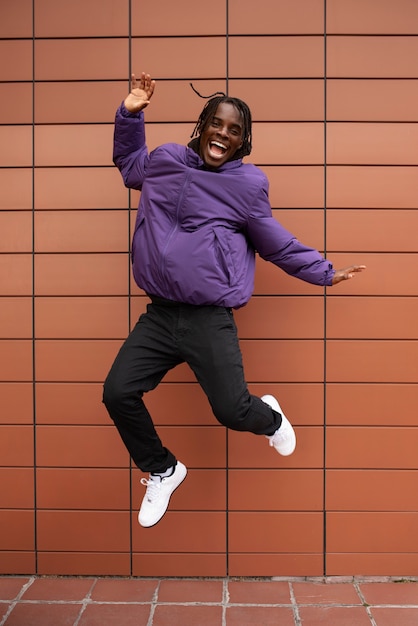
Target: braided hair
[209,110]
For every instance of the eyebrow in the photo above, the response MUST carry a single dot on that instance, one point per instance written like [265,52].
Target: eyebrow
[219,119]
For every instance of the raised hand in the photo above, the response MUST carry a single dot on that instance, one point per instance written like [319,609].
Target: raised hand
[347,273]
[140,94]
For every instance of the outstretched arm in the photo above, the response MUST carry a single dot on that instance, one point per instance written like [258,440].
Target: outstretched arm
[347,273]
[140,94]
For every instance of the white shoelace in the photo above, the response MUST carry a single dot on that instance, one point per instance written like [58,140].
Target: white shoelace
[153,488]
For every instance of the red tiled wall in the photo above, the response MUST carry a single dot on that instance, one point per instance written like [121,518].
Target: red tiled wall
[333,86]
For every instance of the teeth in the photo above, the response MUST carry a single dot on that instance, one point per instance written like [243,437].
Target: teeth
[220,145]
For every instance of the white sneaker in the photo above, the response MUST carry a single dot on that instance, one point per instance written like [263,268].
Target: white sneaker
[157,495]
[284,439]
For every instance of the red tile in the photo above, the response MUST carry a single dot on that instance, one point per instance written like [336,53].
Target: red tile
[81,318]
[15,146]
[300,318]
[81,274]
[17,402]
[18,562]
[149,22]
[283,563]
[387,617]
[393,593]
[82,231]
[44,614]
[375,230]
[202,615]
[180,57]
[195,531]
[299,532]
[360,16]
[82,19]
[372,361]
[16,187]
[295,186]
[372,447]
[16,19]
[14,110]
[293,143]
[179,564]
[275,490]
[80,446]
[57,103]
[372,100]
[274,17]
[83,563]
[124,590]
[16,445]
[81,188]
[374,144]
[381,401]
[75,361]
[16,273]
[256,615]
[16,318]
[80,403]
[337,616]
[85,144]
[258,592]
[294,57]
[128,614]
[372,563]
[63,589]
[85,58]
[323,593]
[21,53]
[371,186]
[285,100]
[72,488]
[180,591]
[83,531]
[10,587]
[16,487]
[371,57]
[16,228]
[18,532]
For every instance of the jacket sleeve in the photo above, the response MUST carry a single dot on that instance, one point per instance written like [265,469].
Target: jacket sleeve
[276,244]
[130,152]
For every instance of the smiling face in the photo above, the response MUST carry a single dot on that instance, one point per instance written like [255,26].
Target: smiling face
[222,136]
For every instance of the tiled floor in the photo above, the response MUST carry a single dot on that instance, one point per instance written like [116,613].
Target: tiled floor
[65,601]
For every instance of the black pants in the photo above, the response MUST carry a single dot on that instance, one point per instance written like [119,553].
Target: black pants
[166,335]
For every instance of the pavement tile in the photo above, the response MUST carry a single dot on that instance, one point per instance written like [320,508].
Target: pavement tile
[114,615]
[395,617]
[323,593]
[178,615]
[258,592]
[124,590]
[43,614]
[390,593]
[335,616]
[259,615]
[11,587]
[70,589]
[190,591]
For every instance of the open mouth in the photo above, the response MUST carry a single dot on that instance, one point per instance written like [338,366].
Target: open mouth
[217,149]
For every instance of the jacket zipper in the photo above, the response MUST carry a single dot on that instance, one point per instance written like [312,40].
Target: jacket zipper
[175,225]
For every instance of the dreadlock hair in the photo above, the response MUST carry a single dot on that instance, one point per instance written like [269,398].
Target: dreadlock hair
[209,111]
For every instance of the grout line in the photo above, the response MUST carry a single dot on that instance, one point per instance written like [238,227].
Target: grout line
[295,607]
[364,603]
[154,603]
[86,601]
[17,598]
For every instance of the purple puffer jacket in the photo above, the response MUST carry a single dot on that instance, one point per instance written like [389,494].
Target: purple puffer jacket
[197,229]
